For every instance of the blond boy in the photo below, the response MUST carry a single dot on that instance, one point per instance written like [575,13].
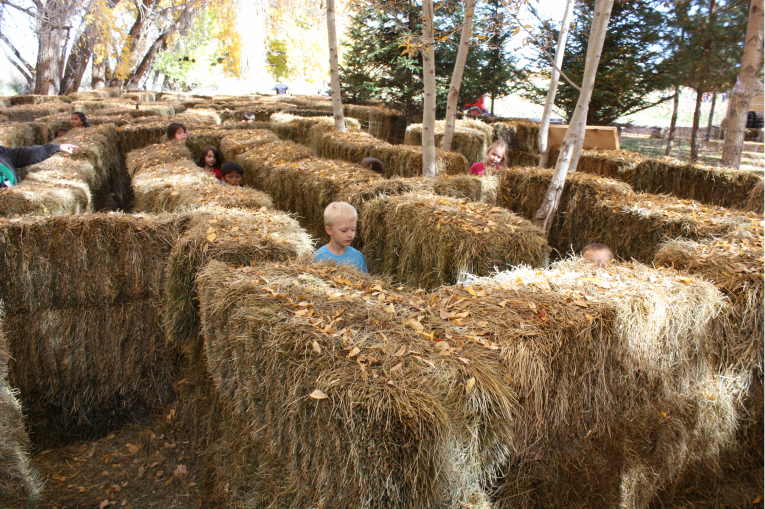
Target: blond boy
[599,254]
[340,224]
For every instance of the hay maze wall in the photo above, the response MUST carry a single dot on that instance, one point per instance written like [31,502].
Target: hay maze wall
[551,386]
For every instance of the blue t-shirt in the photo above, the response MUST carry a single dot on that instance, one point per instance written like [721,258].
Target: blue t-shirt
[351,257]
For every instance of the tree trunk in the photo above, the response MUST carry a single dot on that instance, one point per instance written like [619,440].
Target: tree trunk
[159,81]
[101,73]
[742,92]
[51,27]
[429,80]
[129,53]
[695,128]
[544,126]
[334,68]
[574,139]
[673,122]
[711,116]
[459,68]
[77,62]
[149,57]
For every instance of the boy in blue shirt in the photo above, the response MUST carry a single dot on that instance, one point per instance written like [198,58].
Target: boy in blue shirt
[340,224]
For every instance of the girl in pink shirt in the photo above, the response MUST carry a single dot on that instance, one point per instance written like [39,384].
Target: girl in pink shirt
[495,155]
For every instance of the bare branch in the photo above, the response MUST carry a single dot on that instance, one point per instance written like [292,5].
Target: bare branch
[30,69]
[542,47]
[18,8]
[27,76]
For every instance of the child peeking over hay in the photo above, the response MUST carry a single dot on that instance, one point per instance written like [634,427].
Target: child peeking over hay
[232,173]
[210,161]
[494,157]
[78,120]
[248,117]
[370,163]
[599,254]
[340,224]
[176,132]
[61,131]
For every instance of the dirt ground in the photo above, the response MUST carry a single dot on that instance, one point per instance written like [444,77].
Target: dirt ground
[151,465]
[710,152]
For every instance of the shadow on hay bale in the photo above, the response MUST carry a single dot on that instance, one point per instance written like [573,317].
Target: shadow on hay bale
[616,369]
[20,486]
[83,294]
[389,424]
[425,240]
[471,138]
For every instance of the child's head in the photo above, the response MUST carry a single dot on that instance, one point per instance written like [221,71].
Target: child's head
[210,158]
[495,154]
[176,132]
[373,164]
[61,131]
[249,117]
[340,222]
[78,120]
[599,254]
[232,173]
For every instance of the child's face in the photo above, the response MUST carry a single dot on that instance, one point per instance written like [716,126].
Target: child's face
[600,258]
[180,135]
[75,120]
[232,178]
[210,159]
[495,155]
[342,232]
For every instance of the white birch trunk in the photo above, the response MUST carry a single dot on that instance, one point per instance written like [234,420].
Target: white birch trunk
[742,92]
[574,139]
[334,68]
[452,101]
[544,126]
[429,79]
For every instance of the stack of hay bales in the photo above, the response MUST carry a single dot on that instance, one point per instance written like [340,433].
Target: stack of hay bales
[90,179]
[332,387]
[425,240]
[30,112]
[471,138]
[165,181]
[82,296]
[595,209]
[19,486]
[353,146]
[615,369]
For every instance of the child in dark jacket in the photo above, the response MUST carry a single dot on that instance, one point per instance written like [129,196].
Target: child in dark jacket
[12,158]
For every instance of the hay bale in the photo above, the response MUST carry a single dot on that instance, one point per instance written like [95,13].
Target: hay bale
[75,261]
[198,116]
[471,138]
[20,486]
[233,236]
[141,97]
[183,185]
[30,112]
[134,136]
[595,209]
[258,163]
[520,135]
[523,159]
[198,139]
[395,428]
[614,367]
[724,187]
[23,134]
[155,155]
[20,100]
[471,188]
[381,122]
[461,238]
[755,201]
[241,141]
[617,164]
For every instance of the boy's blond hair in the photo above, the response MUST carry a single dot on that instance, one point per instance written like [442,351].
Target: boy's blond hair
[337,211]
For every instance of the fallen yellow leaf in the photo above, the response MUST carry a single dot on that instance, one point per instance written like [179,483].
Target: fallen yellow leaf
[317,394]
[469,385]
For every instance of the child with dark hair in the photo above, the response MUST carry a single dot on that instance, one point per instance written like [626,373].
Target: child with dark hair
[78,120]
[599,254]
[61,131]
[210,160]
[232,173]
[12,158]
[176,132]
[249,117]
[370,163]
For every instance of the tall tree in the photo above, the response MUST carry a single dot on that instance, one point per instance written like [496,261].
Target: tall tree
[456,83]
[334,75]
[574,139]
[751,63]
[630,69]
[544,126]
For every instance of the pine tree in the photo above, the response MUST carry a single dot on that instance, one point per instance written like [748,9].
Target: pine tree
[630,66]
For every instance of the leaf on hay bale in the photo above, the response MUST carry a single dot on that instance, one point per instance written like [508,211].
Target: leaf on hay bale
[426,240]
